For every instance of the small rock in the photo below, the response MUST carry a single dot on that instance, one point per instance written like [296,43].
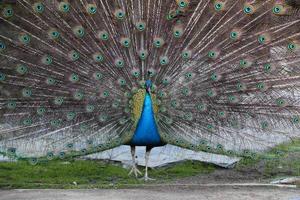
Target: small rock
[65,163]
[291,180]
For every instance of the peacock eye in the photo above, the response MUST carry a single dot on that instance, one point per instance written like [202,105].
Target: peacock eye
[280,102]
[7,12]
[91,9]
[267,67]
[165,81]
[64,7]
[185,91]
[73,55]
[11,105]
[177,32]
[291,46]
[261,39]
[188,75]
[21,69]
[201,107]
[50,155]
[98,57]
[140,26]
[26,92]
[119,14]
[58,101]
[41,111]
[221,113]
[50,81]
[218,6]
[47,60]
[174,103]
[248,9]
[182,4]
[78,95]
[105,94]
[264,125]
[79,31]
[90,108]
[125,42]
[211,93]
[245,63]
[119,63]
[143,54]
[103,35]
[33,161]
[121,81]
[158,42]
[135,73]
[12,150]
[231,98]
[210,127]
[171,15]
[38,7]
[186,54]
[24,38]
[214,77]
[240,86]
[61,154]
[212,54]
[296,119]
[53,34]
[260,86]
[27,122]
[98,76]
[164,60]
[74,78]
[2,77]
[2,46]
[233,35]
[70,145]
[277,9]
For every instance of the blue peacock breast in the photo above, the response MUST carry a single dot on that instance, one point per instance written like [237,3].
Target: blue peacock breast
[146,133]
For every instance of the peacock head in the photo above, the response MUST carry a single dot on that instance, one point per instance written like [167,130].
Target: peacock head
[148,85]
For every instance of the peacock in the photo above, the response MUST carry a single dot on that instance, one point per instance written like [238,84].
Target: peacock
[79,77]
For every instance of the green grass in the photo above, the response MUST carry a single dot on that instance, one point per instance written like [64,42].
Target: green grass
[87,174]
[283,160]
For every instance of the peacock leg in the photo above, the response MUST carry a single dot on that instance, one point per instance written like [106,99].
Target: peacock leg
[147,156]
[134,168]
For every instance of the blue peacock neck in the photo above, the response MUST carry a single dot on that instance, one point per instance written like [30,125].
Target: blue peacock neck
[146,133]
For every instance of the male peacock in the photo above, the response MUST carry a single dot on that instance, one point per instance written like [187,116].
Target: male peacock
[79,77]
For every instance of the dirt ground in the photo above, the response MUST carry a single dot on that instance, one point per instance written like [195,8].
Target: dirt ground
[225,176]
[159,193]
[222,184]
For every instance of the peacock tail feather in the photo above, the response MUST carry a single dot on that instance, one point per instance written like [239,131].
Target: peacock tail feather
[225,74]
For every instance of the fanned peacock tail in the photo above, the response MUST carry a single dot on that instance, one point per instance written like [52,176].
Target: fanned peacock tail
[225,74]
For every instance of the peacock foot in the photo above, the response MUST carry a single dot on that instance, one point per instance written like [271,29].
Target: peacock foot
[146,178]
[135,171]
